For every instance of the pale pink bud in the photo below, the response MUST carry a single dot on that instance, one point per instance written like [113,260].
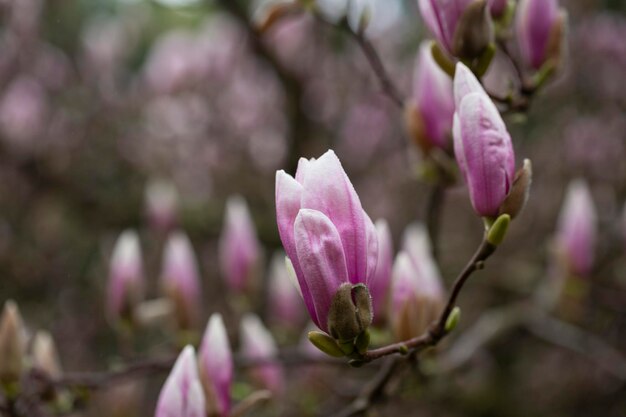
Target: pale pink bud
[577,228]
[482,145]
[416,300]
[539,28]
[216,366]
[44,354]
[126,279]
[327,235]
[23,110]
[431,109]
[161,201]
[180,279]
[285,301]
[182,395]
[239,248]
[12,343]
[257,344]
[380,282]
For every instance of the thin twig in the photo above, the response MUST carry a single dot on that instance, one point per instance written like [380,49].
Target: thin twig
[373,58]
[438,330]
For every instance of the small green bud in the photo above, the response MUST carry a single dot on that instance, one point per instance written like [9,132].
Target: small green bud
[498,230]
[453,319]
[343,324]
[325,343]
[363,341]
[442,59]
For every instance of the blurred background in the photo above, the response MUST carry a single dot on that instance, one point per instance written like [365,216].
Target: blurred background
[101,100]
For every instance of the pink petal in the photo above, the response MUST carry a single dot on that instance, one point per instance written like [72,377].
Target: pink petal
[322,259]
[327,189]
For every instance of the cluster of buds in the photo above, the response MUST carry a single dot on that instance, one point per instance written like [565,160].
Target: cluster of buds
[16,358]
[197,388]
[180,283]
[333,247]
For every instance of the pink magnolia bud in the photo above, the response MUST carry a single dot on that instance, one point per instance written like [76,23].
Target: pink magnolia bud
[539,27]
[216,366]
[327,235]
[429,115]
[285,301]
[416,299]
[240,251]
[126,279]
[462,27]
[180,278]
[161,205]
[181,395]
[416,243]
[577,229]
[380,282]
[257,344]
[482,145]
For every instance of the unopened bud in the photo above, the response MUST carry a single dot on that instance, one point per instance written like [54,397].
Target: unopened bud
[498,230]
[12,343]
[453,319]
[325,343]
[516,200]
[44,354]
[350,312]
[474,31]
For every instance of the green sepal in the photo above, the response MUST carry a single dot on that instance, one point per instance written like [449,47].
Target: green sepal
[498,230]
[362,342]
[325,343]
[453,319]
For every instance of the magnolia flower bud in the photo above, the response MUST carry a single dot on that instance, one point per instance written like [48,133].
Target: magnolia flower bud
[257,343]
[285,301]
[216,366]
[161,202]
[482,145]
[239,248]
[540,26]
[577,229]
[416,289]
[182,395]
[12,343]
[180,279]
[380,282]
[429,113]
[463,27]
[44,354]
[328,237]
[126,279]
[416,299]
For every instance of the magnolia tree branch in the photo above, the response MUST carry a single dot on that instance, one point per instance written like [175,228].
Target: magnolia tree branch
[437,331]
[373,58]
